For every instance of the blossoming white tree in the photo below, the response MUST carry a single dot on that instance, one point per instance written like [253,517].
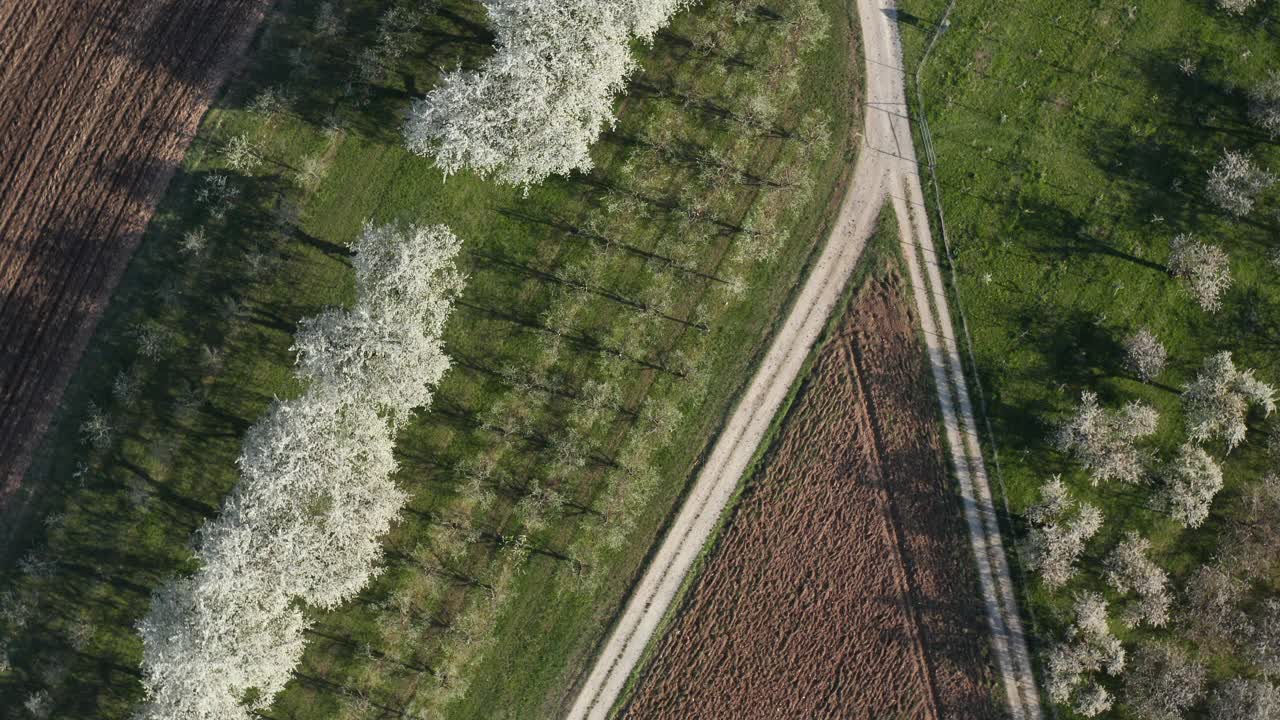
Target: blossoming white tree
[1217,402]
[1242,699]
[1144,354]
[1089,648]
[1264,643]
[1204,269]
[1162,682]
[1060,526]
[1104,441]
[535,107]
[1236,181]
[1129,570]
[1264,105]
[1237,7]
[1191,480]
[315,494]
[1212,605]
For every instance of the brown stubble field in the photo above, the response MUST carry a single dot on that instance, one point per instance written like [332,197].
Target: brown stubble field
[843,586]
[98,102]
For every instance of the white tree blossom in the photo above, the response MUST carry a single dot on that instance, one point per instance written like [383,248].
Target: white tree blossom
[1144,354]
[38,704]
[1092,701]
[1162,682]
[535,107]
[1060,526]
[1191,481]
[647,17]
[1212,612]
[208,640]
[363,354]
[1236,7]
[1264,641]
[242,153]
[1241,699]
[1091,616]
[1217,402]
[193,242]
[302,527]
[1129,570]
[1264,105]
[1254,534]
[1089,648]
[1103,441]
[1204,269]
[1236,181]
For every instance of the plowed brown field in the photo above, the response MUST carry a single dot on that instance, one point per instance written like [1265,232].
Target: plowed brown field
[98,101]
[843,587]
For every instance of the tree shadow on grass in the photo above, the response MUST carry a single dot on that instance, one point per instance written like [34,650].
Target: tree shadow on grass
[1048,219]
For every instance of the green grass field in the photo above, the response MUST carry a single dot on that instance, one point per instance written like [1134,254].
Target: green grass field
[608,323]
[1071,148]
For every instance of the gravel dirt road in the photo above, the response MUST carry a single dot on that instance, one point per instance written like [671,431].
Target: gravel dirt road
[886,169]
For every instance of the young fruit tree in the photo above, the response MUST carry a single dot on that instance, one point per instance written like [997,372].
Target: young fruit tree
[535,107]
[1162,682]
[1060,526]
[303,525]
[1217,402]
[1145,355]
[1204,269]
[1264,105]
[1191,480]
[1129,570]
[1236,181]
[1104,441]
